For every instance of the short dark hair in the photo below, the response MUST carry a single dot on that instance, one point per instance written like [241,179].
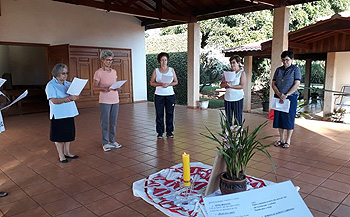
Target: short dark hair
[235,57]
[287,53]
[162,54]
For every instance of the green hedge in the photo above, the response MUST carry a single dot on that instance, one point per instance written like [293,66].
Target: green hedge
[178,61]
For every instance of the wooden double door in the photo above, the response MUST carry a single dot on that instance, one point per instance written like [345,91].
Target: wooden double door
[84,61]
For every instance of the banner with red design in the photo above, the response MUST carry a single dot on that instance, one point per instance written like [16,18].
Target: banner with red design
[165,191]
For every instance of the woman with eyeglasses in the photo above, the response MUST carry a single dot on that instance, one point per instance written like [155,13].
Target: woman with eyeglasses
[285,83]
[163,79]
[108,99]
[62,112]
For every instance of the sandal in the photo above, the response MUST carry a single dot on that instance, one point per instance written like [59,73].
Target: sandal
[285,145]
[278,143]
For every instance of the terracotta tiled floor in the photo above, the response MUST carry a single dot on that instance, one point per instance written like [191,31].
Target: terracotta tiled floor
[100,183]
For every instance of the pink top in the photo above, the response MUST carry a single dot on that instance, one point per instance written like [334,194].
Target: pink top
[106,79]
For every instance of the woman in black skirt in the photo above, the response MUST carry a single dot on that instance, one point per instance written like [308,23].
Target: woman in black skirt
[62,112]
[285,83]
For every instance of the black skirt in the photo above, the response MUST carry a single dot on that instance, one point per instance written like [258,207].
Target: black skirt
[62,130]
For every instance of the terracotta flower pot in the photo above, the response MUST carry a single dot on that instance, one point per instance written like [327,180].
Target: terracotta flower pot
[228,186]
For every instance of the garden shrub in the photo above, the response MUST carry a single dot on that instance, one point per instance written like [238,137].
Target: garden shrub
[178,61]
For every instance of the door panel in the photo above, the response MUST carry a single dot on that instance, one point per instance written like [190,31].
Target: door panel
[84,61]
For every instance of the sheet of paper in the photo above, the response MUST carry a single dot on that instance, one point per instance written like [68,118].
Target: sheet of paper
[278,200]
[77,86]
[117,84]
[2,126]
[166,79]
[229,76]
[2,81]
[24,94]
[283,107]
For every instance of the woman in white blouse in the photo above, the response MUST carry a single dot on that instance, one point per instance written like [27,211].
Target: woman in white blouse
[234,91]
[163,79]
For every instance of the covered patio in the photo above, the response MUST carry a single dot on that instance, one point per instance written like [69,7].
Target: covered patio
[100,183]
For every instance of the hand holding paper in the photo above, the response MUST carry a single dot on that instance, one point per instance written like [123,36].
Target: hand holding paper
[77,86]
[117,84]
[229,76]
[283,107]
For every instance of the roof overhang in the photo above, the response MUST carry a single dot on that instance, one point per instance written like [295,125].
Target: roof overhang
[162,13]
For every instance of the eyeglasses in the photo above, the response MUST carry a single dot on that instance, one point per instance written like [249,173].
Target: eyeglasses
[286,60]
[109,60]
[64,73]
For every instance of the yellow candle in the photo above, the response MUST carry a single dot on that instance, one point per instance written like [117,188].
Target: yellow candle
[186,169]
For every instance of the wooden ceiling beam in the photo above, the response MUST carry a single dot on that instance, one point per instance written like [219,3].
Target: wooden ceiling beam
[180,8]
[292,44]
[148,5]
[159,5]
[158,14]
[129,3]
[108,5]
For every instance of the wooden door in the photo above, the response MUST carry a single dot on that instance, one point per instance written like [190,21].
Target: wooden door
[84,62]
[57,54]
[122,64]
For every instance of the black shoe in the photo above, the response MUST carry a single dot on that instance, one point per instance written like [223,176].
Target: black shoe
[74,156]
[160,136]
[170,134]
[64,161]
[3,194]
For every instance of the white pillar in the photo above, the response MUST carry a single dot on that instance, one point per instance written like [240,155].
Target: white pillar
[330,78]
[307,80]
[193,55]
[280,39]
[248,68]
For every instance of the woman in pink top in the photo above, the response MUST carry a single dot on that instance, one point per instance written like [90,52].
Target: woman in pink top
[108,100]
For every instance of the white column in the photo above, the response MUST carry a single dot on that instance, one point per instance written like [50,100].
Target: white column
[307,80]
[329,83]
[248,68]
[193,53]
[280,39]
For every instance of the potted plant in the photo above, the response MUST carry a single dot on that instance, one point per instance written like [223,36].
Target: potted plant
[238,145]
[262,89]
[211,70]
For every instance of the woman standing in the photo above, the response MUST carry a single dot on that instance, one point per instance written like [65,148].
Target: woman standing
[62,112]
[108,99]
[164,78]
[285,83]
[234,91]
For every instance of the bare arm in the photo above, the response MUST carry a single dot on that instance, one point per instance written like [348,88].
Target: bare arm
[153,82]
[63,100]
[98,88]
[275,89]
[290,91]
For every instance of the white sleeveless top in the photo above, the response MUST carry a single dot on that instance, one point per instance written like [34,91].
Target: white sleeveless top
[161,91]
[235,94]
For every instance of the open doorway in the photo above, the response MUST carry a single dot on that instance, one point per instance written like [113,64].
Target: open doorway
[24,66]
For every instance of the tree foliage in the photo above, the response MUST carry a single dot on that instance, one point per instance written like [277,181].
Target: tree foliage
[235,30]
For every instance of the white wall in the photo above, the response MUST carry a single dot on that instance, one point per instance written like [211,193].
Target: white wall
[342,70]
[46,21]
